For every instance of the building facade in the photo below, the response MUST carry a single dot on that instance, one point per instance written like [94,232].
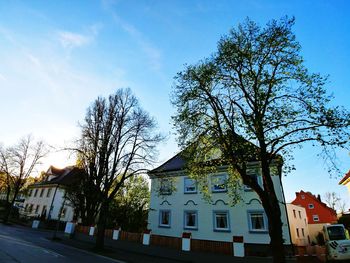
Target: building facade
[46,198]
[346,181]
[298,224]
[177,206]
[318,213]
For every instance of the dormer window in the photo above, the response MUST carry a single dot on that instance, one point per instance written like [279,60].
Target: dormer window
[257,178]
[190,186]
[165,187]
[219,183]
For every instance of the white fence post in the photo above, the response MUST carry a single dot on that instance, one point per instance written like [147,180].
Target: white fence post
[69,229]
[146,237]
[116,233]
[186,241]
[92,231]
[35,224]
[238,246]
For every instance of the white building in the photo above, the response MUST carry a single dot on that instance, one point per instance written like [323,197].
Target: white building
[177,206]
[46,198]
[298,225]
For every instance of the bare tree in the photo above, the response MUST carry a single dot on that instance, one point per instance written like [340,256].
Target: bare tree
[118,141]
[334,201]
[17,163]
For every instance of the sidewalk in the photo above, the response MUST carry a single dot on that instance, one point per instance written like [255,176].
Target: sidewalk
[133,252]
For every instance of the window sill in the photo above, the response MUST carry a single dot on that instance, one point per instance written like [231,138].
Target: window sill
[164,226]
[222,230]
[191,228]
[259,231]
[219,191]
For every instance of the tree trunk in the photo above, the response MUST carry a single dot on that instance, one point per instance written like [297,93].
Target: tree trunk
[275,229]
[101,226]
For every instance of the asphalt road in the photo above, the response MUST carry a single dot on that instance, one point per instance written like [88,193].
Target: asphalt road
[19,244]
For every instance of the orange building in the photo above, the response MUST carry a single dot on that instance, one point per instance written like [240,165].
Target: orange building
[318,213]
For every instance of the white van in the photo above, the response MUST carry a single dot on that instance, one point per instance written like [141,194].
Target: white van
[337,246]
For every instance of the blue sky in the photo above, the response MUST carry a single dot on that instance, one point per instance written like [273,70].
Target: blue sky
[58,56]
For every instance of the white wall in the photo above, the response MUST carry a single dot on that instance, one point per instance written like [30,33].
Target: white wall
[46,201]
[178,202]
[298,220]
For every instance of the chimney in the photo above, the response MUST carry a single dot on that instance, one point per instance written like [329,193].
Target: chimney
[319,198]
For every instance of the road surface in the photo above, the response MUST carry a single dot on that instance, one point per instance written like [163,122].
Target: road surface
[20,244]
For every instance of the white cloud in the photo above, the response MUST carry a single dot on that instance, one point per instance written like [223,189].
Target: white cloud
[72,40]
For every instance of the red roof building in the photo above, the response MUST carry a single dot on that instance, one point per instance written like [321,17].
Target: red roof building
[317,212]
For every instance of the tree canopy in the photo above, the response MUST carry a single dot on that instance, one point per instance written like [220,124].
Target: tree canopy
[118,141]
[256,91]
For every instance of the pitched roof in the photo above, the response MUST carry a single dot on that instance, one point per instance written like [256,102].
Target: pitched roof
[316,200]
[176,163]
[65,176]
[345,178]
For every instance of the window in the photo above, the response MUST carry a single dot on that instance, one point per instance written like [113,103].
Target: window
[26,207]
[218,183]
[221,221]
[30,208]
[315,218]
[299,214]
[297,232]
[35,192]
[190,218]
[30,192]
[190,186]
[165,187]
[311,206]
[257,221]
[302,232]
[37,209]
[42,192]
[164,218]
[302,196]
[257,178]
[43,211]
[48,192]
[294,213]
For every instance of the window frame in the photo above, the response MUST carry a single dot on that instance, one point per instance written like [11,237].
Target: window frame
[48,193]
[186,178]
[164,181]
[36,211]
[213,184]
[265,221]
[258,180]
[215,227]
[160,224]
[195,212]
